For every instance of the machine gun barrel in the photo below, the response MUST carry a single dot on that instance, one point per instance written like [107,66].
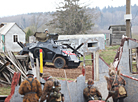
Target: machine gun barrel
[60,40]
[21,44]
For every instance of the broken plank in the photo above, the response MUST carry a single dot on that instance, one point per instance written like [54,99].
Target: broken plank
[24,74]
[4,66]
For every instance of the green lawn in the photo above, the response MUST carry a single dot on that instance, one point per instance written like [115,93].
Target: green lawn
[5,90]
[107,55]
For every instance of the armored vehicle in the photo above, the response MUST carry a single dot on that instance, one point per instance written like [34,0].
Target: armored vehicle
[52,52]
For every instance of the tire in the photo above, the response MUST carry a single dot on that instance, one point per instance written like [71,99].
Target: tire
[59,62]
[36,53]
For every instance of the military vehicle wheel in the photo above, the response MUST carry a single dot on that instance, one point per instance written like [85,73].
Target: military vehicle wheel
[36,53]
[59,62]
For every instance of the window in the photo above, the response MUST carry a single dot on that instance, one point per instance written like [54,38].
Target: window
[15,38]
[93,44]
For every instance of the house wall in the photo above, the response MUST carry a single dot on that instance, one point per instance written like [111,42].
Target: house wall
[116,34]
[76,40]
[9,40]
[1,44]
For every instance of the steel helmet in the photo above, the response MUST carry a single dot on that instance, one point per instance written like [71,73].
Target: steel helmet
[46,30]
[45,75]
[90,82]
[30,72]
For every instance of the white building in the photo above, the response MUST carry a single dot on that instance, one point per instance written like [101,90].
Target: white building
[10,33]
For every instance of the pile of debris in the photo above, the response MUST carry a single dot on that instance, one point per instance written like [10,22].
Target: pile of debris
[10,63]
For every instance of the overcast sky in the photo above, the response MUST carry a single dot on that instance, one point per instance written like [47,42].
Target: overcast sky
[15,7]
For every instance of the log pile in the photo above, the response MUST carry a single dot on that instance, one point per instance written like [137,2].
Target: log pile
[10,63]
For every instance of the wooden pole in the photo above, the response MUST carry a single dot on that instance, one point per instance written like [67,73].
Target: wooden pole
[97,65]
[92,57]
[137,58]
[128,28]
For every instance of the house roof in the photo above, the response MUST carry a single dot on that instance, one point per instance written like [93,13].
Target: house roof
[116,26]
[5,27]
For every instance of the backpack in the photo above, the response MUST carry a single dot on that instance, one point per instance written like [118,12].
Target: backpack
[122,90]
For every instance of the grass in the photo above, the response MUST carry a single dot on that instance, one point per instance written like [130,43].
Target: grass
[5,90]
[108,55]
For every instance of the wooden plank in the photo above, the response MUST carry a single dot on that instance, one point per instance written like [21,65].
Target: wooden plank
[16,66]
[2,59]
[8,68]
[67,86]
[37,69]
[119,32]
[116,40]
[4,66]
[31,59]
[2,81]
[17,62]
[24,57]
[6,77]
[117,37]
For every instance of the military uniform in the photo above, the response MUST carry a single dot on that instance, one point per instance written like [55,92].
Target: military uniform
[31,89]
[91,92]
[115,87]
[51,93]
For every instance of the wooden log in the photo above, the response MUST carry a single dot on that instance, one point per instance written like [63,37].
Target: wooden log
[6,77]
[24,74]
[2,59]
[11,55]
[2,81]
[8,68]
[4,66]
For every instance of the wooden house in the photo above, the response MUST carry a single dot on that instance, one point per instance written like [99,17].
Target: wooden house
[10,33]
[116,32]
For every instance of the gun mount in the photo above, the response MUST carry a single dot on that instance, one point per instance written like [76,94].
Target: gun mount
[52,52]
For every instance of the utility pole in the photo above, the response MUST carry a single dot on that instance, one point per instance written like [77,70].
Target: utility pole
[128,17]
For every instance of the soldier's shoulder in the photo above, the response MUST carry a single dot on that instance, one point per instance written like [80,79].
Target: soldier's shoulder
[23,82]
[86,89]
[49,82]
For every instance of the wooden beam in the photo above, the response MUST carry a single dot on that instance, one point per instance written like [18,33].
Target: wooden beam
[4,66]
[24,74]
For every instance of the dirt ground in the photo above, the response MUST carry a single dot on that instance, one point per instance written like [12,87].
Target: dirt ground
[71,73]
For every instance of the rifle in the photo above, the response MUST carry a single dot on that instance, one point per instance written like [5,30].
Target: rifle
[111,92]
[109,95]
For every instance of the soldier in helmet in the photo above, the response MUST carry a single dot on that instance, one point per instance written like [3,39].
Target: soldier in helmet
[46,31]
[44,78]
[30,88]
[91,92]
[51,91]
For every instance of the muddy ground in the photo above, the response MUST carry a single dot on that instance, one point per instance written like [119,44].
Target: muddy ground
[72,73]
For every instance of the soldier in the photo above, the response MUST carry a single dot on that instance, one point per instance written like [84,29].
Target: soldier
[116,83]
[51,91]
[46,31]
[30,88]
[43,80]
[91,92]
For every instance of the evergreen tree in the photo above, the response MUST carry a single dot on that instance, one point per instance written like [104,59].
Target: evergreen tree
[71,18]
[28,33]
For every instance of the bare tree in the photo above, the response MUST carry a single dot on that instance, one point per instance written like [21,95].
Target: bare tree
[37,21]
